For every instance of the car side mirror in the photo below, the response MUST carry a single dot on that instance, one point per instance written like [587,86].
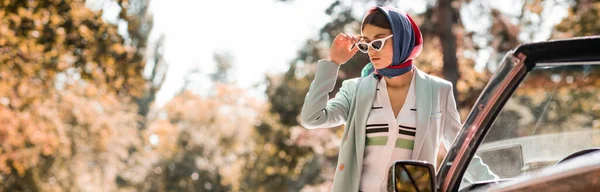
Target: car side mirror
[411,176]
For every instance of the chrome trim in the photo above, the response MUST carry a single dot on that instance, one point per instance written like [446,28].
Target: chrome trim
[548,64]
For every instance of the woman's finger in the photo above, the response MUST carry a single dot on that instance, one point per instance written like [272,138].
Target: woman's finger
[353,49]
[346,37]
[349,37]
[355,38]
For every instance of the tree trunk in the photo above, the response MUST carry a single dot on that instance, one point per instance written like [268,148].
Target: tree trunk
[445,22]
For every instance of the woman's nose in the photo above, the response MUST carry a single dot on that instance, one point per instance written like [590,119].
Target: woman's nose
[371,53]
[371,50]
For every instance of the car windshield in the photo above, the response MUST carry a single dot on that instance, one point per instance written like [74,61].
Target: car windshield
[554,112]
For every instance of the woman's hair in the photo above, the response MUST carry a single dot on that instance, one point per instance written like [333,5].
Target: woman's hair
[376,18]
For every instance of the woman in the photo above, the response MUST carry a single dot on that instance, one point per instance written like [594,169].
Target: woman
[394,112]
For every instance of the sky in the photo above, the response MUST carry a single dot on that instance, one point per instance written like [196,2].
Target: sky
[263,36]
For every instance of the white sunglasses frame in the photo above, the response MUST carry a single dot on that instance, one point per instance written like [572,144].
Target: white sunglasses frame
[370,44]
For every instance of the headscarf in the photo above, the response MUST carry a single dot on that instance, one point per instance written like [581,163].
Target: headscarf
[407,43]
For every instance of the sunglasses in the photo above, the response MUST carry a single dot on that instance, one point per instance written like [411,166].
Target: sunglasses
[376,44]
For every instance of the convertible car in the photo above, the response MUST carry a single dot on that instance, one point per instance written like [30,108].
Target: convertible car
[536,125]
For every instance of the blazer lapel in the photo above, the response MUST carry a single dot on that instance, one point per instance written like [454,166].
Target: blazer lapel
[424,101]
[364,102]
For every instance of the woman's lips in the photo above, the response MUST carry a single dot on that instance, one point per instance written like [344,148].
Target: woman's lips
[375,59]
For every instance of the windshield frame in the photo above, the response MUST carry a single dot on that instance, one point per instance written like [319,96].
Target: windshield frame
[513,69]
[500,87]
[527,141]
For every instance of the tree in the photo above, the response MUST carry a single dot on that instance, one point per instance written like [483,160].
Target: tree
[446,18]
[199,141]
[581,21]
[224,62]
[69,82]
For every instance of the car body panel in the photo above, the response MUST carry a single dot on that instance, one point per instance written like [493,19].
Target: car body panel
[579,174]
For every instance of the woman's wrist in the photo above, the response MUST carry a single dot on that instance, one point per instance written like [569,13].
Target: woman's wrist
[327,65]
[331,60]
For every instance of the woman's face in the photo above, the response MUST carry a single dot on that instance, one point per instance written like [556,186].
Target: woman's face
[383,58]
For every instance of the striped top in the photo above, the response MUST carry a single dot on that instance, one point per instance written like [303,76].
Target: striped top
[389,138]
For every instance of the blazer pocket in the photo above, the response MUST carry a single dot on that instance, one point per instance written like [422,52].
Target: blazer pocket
[435,121]
[436,115]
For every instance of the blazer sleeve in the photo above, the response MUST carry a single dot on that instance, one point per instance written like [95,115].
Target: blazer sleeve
[451,124]
[318,111]
[477,169]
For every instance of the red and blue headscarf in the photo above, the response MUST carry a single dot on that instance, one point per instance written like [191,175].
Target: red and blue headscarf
[407,43]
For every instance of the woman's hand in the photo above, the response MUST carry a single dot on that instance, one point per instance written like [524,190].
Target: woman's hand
[342,48]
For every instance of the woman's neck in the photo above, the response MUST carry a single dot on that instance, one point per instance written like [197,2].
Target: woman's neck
[400,81]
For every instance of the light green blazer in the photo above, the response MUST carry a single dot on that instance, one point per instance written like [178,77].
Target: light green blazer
[437,118]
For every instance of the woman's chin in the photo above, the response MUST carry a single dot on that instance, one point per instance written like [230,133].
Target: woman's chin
[378,65]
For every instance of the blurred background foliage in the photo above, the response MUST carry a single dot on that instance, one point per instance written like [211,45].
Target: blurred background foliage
[76,109]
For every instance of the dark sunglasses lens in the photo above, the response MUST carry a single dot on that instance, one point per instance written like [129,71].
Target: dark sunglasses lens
[377,45]
[363,47]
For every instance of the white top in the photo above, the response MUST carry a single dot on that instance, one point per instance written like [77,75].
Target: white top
[388,139]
